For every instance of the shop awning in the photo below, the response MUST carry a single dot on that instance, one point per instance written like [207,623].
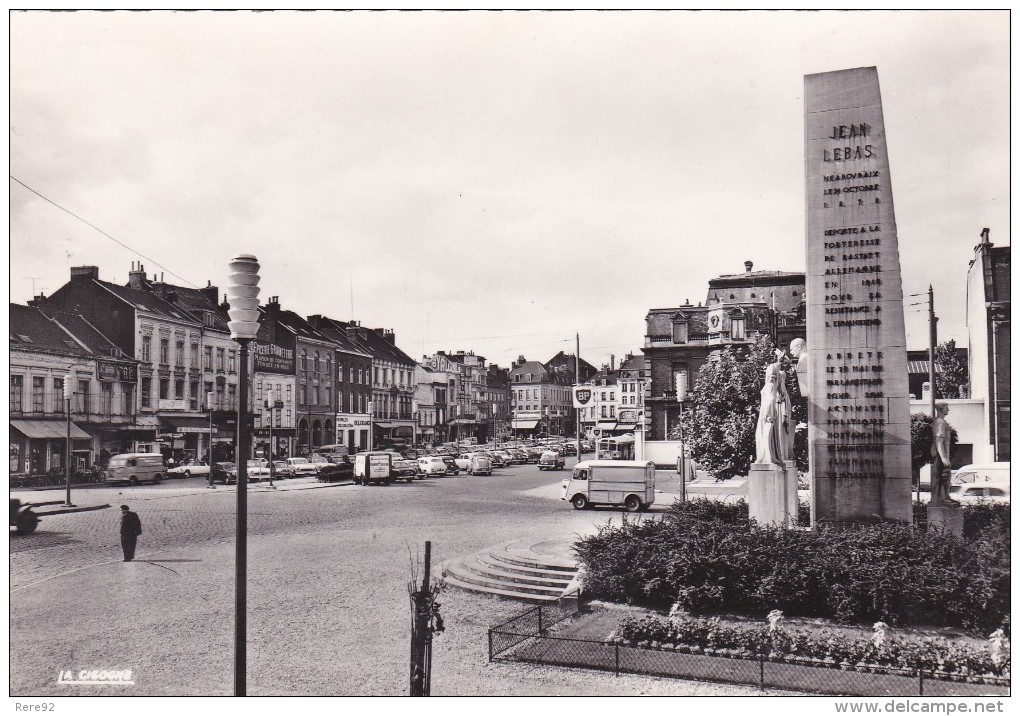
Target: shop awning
[919,366]
[606,425]
[524,424]
[48,430]
[386,426]
[184,421]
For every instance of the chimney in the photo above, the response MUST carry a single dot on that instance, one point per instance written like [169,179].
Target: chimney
[612,362]
[748,265]
[136,276]
[84,273]
[210,292]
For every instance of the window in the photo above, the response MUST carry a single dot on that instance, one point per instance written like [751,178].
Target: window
[304,359]
[146,392]
[106,398]
[164,388]
[737,329]
[679,332]
[164,351]
[375,379]
[146,348]
[603,411]
[127,392]
[194,355]
[207,364]
[179,389]
[232,396]
[232,365]
[315,395]
[179,358]
[83,397]
[220,360]
[315,362]
[58,395]
[38,389]
[612,411]
[301,395]
[329,367]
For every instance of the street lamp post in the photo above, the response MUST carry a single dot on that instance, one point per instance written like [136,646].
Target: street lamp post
[681,396]
[271,403]
[242,295]
[371,443]
[210,398]
[68,392]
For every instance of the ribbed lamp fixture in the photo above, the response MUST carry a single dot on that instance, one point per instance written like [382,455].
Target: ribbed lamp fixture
[243,297]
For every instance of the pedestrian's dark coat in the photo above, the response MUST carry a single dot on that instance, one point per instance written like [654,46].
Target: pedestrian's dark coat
[130,528]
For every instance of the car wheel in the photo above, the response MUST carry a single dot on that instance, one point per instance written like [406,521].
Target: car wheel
[133,480]
[579,502]
[187,474]
[26,523]
[632,503]
[157,479]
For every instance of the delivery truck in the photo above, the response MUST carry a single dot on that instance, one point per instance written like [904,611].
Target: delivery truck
[625,483]
[372,467]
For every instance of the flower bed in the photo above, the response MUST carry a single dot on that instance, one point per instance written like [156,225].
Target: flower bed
[881,652]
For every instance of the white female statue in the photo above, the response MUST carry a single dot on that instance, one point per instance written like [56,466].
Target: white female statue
[772,434]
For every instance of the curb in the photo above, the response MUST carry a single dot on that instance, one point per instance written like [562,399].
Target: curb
[69,510]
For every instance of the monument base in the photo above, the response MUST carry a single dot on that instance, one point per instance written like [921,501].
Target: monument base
[768,494]
[949,519]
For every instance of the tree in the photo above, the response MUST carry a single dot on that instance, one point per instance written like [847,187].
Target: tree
[720,426]
[951,379]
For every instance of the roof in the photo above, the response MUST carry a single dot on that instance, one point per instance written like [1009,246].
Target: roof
[335,331]
[536,369]
[33,330]
[299,326]
[146,301]
[86,332]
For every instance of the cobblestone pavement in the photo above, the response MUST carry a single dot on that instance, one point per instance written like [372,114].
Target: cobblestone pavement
[328,607]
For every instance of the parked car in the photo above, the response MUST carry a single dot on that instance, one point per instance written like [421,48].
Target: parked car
[507,457]
[432,466]
[404,469]
[225,472]
[551,460]
[258,470]
[189,468]
[451,465]
[339,469]
[989,472]
[496,459]
[302,466]
[281,470]
[976,492]
[479,464]
[373,467]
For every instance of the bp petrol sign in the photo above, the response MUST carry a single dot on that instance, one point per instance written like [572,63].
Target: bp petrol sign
[583,396]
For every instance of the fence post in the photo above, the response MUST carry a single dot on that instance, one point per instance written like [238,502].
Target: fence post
[490,645]
[617,645]
[540,620]
[920,681]
[761,670]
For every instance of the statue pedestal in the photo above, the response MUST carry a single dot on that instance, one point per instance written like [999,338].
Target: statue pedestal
[769,496]
[949,519]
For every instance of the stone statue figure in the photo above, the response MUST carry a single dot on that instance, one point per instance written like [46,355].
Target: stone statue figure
[798,349]
[940,465]
[772,434]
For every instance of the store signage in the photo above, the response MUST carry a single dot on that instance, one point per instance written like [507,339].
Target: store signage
[203,431]
[271,358]
[351,421]
[124,372]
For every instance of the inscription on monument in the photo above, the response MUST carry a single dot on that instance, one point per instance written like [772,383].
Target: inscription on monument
[858,411]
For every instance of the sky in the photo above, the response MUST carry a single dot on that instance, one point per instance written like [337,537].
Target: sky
[495,182]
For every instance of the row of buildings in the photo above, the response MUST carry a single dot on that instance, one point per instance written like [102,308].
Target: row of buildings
[152,367]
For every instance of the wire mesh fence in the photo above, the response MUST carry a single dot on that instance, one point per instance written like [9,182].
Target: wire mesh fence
[522,639]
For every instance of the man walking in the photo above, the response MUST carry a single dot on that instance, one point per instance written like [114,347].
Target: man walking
[130,528]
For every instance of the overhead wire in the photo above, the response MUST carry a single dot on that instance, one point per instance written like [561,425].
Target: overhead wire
[104,233]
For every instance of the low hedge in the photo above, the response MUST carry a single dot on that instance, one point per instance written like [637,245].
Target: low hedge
[823,647]
[706,557]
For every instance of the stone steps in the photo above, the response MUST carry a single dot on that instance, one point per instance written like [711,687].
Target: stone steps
[514,570]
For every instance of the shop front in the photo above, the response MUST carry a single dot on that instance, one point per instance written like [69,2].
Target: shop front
[39,446]
[278,444]
[183,437]
[352,430]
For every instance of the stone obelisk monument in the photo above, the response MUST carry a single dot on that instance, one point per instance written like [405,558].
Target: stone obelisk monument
[858,406]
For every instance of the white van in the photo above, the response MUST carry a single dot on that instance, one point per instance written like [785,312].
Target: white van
[135,468]
[372,467]
[989,472]
[627,483]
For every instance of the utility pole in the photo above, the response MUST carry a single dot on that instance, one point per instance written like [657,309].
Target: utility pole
[932,339]
[577,381]
[425,620]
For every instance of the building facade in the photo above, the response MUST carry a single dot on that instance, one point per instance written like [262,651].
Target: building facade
[740,308]
[353,382]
